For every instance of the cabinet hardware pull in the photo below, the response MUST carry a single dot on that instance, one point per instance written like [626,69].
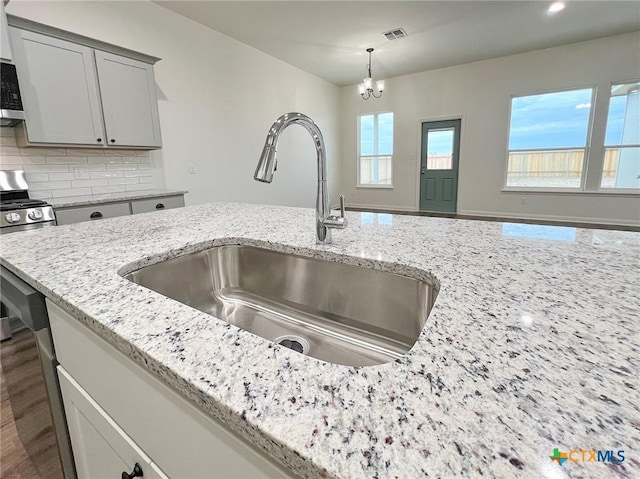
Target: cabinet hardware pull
[99,140]
[160,206]
[113,140]
[95,214]
[137,472]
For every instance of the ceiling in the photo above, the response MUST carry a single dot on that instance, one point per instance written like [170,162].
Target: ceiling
[329,38]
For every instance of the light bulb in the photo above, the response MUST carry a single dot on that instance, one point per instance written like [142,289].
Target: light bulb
[380,85]
[367,83]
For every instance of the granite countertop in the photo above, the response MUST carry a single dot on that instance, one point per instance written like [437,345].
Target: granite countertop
[532,343]
[73,201]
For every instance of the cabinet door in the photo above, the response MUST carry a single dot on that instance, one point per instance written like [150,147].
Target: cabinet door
[5,46]
[100,448]
[59,89]
[129,102]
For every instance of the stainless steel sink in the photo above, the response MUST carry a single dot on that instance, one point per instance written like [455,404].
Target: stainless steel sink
[336,312]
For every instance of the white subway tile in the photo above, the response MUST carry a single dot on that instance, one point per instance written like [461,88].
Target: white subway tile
[7,141]
[62,176]
[144,160]
[123,181]
[23,160]
[107,174]
[31,177]
[51,185]
[118,152]
[45,168]
[137,173]
[66,160]
[122,166]
[85,152]
[71,192]
[144,167]
[89,183]
[99,190]
[105,159]
[143,152]
[9,151]
[146,179]
[132,159]
[140,187]
[90,167]
[39,194]
[38,151]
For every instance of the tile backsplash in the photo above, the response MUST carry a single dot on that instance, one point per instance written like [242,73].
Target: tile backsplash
[65,172]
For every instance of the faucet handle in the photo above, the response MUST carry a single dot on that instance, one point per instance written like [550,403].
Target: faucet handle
[338,222]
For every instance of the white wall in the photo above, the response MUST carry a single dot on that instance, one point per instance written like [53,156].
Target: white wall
[217,99]
[480,92]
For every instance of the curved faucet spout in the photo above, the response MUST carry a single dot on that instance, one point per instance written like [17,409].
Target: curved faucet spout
[267,165]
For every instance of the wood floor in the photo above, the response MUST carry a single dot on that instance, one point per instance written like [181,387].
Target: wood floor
[19,359]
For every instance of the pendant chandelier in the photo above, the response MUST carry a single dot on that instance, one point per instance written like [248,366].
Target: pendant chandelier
[365,88]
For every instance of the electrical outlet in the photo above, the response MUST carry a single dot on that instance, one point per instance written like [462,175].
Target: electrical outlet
[192,169]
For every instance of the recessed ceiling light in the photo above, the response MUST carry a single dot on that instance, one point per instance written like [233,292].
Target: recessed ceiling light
[555,7]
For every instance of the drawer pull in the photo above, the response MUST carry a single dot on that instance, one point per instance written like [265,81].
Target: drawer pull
[113,140]
[160,206]
[137,472]
[95,214]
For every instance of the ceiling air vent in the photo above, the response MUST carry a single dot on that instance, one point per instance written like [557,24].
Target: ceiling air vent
[395,34]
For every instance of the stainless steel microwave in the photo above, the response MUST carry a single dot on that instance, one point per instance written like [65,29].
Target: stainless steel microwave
[11,100]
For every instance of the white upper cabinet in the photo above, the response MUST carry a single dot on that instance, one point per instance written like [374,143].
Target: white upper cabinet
[75,93]
[129,102]
[59,89]
[5,45]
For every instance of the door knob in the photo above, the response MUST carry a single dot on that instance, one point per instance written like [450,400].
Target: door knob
[423,171]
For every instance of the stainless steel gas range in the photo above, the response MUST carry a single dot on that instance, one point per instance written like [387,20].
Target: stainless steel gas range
[18,212]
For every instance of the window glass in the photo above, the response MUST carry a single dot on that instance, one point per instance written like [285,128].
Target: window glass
[366,135]
[621,168]
[375,149]
[440,149]
[550,120]
[548,138]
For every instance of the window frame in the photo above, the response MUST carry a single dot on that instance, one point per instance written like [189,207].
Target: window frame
[614,191]
[587,147]
[359,156]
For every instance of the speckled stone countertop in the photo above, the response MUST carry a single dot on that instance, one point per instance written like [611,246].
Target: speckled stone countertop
[72,201]
[532,343]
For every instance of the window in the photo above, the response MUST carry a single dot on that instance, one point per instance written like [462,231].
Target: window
[375,149]
[622,141]
[548,138]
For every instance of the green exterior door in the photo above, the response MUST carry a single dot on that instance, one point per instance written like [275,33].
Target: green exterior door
[439,166]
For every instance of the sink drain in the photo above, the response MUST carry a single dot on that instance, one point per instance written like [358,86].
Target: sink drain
[296,343]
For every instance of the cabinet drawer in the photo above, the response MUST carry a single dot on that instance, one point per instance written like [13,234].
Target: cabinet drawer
[101,448]
[154,204]
[93,212]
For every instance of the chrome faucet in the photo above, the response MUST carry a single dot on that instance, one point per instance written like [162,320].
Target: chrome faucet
[268,163]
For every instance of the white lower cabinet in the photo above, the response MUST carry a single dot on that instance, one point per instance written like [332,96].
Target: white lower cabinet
[119,414]
[101,448]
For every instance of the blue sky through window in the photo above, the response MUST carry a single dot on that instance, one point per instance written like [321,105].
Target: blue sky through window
[615,120]
[550,120]
[385,135]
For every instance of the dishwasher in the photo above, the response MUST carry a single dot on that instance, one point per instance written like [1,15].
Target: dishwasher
[29,370]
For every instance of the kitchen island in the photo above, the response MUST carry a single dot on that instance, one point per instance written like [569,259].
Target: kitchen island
[531,344]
